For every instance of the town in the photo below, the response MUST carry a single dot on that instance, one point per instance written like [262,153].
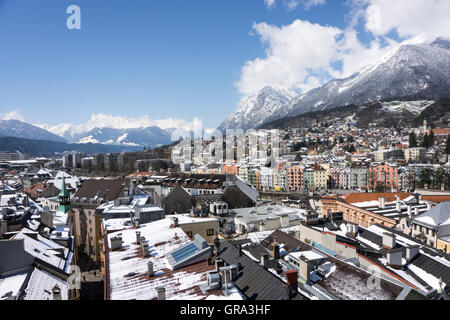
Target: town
[337,212]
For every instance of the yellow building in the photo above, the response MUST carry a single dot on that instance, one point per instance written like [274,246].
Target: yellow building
[320,178]
[208,228]
[443,244]
[243,173]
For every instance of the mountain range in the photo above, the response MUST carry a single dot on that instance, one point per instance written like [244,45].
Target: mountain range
[413,74]
[135,137]
[408,73]
[20,129]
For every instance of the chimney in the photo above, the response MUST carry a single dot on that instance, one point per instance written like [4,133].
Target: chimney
[292,279]
[389,240]
[352,229]
[397,198]
[398,206]
[150,268]
[264,260]
[218,264]
[382,202]
[239,250]
[428,206]
[411,253]
[416,211]
[394,258]
[161,293]
[138,237]
[144,247]
[409,211]
[116,243]
[136,222]
[275,252]
[175,222]
[305,268]
[56,293]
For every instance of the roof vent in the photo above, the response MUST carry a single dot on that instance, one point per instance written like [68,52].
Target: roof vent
[116,243]
[56,293]
[138,237]
[150,268]
[144,247]
[389,241]
[161,291]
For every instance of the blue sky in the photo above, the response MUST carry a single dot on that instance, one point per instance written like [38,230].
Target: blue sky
[160,58]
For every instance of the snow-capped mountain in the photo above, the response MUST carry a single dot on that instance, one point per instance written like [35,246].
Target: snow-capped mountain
[20,129]
[254,109]
[153,136]
[409,72]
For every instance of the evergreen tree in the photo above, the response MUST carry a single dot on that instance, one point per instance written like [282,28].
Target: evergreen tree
[426,141]
[431,138]
[412,140]
[447,145]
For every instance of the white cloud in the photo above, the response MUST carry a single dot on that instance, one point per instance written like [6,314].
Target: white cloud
[12,115]
[293,4]
[269,3]
[312,3]
[303,55]
[429,18]
[293,53]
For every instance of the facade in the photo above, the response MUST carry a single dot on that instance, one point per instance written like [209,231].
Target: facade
[243,172]
[320,178]
[353,214]
[10,156]
[294,178]
[359,176]
[383,174]
[266,179]
[415,154]
[230,169]
[433,224]
[308,178]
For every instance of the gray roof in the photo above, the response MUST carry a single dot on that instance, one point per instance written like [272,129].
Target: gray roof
[438,216]
[249,190]
[13,256]
[253,280]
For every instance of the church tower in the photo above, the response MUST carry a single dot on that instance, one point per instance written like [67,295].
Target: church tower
[64,198]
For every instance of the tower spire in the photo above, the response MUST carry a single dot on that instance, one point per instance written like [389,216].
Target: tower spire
[64,198]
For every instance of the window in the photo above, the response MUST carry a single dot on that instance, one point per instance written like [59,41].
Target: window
[210,232]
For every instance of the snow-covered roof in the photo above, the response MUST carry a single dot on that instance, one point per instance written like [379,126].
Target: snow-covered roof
[44,249]
[128,277]
[40,286]
[10,286]
[438,216]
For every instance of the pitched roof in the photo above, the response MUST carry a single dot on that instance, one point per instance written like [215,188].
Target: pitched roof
[438,216]
[103,188]
[346,281]
[437,198]
[362,197]
[253,280]
[127,272]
